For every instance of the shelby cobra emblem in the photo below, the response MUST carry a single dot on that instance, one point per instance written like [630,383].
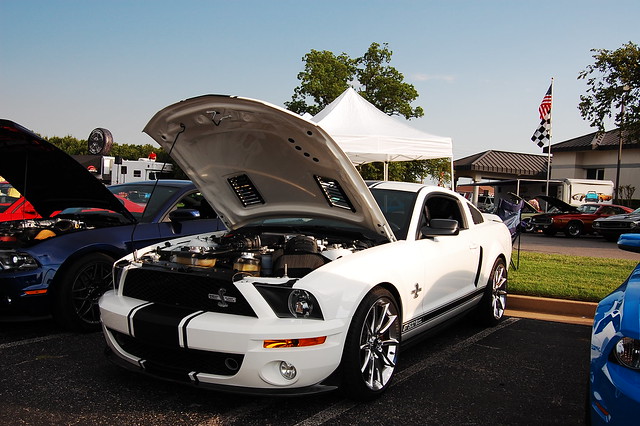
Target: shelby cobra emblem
[222,299]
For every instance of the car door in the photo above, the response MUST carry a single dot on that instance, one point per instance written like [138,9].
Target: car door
[450,262]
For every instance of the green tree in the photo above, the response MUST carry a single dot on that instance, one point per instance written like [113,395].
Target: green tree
[324,78]
[69,144]
[384,86]
[613,80]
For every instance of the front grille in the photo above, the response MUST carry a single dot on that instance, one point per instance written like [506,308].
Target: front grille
[614,225]
[188,290]
[542,220]
[176,363]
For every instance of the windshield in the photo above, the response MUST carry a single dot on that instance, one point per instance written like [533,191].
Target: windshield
[397,207]
[136,198]
[588,208]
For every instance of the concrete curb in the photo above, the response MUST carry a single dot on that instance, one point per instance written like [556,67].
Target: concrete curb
[558,310]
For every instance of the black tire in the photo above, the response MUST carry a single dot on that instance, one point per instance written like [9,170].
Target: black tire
[75,304]
[574,229]
[494,300]
[372,347]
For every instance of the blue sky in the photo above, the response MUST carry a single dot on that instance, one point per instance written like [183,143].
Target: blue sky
[480,67]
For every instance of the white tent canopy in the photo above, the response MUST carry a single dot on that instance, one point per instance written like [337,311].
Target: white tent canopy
[367,134]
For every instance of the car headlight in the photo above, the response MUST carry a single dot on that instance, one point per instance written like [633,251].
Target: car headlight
[634,225]
[627,352]
[290,302]
[13,261]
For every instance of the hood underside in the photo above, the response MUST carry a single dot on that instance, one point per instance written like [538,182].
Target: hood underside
[559,204]
[253,161]
[47,177]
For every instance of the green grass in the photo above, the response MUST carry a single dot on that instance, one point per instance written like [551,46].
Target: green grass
[567,277]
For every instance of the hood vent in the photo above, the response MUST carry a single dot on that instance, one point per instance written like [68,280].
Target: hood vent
[334,193]
[245,190]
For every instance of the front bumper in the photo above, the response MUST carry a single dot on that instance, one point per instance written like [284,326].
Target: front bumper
[25,292]
[614,394]
[221,351]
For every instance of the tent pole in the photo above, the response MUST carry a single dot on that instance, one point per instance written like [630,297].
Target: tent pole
[452,179]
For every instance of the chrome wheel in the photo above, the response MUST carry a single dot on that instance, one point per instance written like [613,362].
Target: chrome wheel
[372,347]
[498,284]
[574,229]
[379,340]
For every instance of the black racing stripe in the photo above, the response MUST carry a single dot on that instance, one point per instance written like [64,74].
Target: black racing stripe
[184,329]
[129,316]
[158,324]
[448,307]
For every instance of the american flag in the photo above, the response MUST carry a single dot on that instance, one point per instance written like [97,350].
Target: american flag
[543,132]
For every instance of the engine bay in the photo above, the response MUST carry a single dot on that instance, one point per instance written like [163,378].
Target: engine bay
[24,233]
[262,254]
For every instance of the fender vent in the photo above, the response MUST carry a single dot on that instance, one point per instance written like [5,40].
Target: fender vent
[245,190]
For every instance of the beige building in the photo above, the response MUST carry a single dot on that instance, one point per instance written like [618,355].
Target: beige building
[595,156]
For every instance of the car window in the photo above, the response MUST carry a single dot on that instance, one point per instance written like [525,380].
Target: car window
[397,207]
[143,201]
[441,206]
[476,215]
[194,201]
[587,208]
[617,210]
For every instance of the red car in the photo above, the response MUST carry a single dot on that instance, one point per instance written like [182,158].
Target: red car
[13,206]
[573,221]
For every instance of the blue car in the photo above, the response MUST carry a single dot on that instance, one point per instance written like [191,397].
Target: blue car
[614,378]
[61,263]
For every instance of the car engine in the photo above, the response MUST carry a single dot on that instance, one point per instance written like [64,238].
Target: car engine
[24,233]
[263,254]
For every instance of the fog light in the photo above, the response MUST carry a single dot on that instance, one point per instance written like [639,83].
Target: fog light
[288,371]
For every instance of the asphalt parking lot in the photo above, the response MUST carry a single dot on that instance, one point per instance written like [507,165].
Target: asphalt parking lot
[524,371]
[520,372]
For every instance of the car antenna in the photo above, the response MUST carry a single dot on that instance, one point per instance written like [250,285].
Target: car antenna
[153,189]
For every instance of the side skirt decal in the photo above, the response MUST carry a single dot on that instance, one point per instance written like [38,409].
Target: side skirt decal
[418,321]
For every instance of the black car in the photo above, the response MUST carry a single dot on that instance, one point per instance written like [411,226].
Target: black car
[613,226]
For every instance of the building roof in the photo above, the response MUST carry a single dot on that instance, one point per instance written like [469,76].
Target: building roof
[514,163]
[601,141]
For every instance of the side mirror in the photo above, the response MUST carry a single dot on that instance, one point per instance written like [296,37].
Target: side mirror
[440,227]
[629,242]
[181,215]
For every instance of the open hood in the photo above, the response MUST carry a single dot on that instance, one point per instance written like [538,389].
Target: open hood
[253,160]
[559,204]
[47,177]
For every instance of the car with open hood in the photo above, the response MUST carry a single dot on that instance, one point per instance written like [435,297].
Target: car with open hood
[320,278]
[613,226]
[571,220]
[61,263]
[613,396]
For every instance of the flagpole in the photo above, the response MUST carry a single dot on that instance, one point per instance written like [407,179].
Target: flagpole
[549,150]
